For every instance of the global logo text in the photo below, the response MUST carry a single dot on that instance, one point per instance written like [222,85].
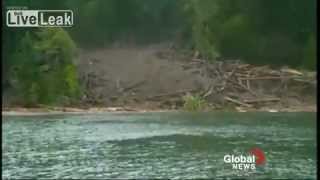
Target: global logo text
[246,162]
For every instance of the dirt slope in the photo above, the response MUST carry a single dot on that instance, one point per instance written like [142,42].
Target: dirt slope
[156,76]
[134,74]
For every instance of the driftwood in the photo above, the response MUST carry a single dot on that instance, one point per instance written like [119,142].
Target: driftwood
[208,93]
[267,78]
[237,78]
[243,87]
[261,100]
[305,81]
[237,101]
[291,71]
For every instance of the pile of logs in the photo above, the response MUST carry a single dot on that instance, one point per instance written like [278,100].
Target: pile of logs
[234,78]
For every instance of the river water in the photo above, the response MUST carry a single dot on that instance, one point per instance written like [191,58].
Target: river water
[157,145]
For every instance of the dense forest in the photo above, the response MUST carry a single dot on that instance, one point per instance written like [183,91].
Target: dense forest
[37,62]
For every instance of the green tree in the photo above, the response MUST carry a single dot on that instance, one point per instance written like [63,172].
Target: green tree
[262,32]
[44,68]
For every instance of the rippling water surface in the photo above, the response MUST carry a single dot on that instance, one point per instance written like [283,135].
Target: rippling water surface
[157,145]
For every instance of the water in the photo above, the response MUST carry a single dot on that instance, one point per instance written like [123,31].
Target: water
[157,145]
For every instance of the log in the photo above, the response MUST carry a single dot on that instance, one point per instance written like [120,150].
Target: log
[305,81]
[243,66]
[266,78]
[291,71]
[243,87]
[209,92]
[261,100]
[241,75]
[237,102]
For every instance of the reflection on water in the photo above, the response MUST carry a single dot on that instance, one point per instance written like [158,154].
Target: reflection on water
[157,145]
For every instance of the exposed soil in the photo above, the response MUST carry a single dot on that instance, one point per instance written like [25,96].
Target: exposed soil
[156,77]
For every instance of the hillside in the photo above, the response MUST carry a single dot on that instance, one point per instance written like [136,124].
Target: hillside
[157,77]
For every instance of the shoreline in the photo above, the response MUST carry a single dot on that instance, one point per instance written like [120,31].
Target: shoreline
[21,111]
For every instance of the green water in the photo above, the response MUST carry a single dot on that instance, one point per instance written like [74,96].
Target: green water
[157,145]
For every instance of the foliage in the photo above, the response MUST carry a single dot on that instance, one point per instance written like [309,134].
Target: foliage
[310,52]
[43,67]
[261,32]
[194,103]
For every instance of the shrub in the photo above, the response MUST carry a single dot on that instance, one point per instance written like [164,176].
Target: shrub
[194,103]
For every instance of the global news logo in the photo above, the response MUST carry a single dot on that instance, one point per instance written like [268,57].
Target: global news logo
[255,158]
[39,18]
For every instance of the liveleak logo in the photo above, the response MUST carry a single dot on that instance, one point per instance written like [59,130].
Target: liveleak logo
[255,158]
[39,18]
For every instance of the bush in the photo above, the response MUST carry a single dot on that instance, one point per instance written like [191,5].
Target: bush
[194,103]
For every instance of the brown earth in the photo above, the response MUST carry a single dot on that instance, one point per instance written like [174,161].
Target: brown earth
[156,77]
